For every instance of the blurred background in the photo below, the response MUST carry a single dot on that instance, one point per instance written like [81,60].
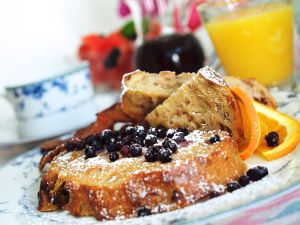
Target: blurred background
[39,35]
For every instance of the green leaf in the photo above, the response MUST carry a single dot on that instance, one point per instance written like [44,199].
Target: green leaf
[128,30]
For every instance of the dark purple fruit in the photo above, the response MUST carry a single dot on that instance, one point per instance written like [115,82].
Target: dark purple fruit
[170,133]
[257,173]
[152,131]
[113,156]
[150,139]
[232,186]
[135,150]
[161,131]
[89,152]
[178,137]
[151,156]
[125,151]
[156,147]
[170,144]
[272,139]
[143,212]
[215,138]
[244,180]
[183,130]
[165,155]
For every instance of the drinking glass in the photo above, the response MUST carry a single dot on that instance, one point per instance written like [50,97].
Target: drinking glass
[253,38]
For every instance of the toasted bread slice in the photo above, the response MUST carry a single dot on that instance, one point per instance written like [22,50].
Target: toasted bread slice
[143,91]
[110,190]
[204,102]
[253,89]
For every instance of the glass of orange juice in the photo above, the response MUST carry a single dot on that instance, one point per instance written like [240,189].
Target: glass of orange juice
[253,38]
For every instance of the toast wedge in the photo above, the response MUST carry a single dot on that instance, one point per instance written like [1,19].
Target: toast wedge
[204,102]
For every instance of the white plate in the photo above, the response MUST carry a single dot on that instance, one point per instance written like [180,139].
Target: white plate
[20,183]
[102,101]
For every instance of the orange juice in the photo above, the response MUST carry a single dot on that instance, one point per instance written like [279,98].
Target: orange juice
[255,42]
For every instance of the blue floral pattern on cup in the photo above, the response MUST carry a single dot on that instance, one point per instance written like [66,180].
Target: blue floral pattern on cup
[58,94]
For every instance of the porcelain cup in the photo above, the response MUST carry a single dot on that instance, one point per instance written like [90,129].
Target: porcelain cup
[53,105]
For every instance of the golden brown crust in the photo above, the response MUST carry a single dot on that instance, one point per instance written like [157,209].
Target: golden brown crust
[204,102]
[116,190]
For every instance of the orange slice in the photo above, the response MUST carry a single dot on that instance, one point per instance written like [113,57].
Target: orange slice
[251,123]
[287,128]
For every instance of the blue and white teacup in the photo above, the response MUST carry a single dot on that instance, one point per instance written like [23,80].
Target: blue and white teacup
[54,105]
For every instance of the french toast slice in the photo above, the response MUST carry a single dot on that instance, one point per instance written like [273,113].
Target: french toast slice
[109,190]
[204,102]
[143,91]
[253,89]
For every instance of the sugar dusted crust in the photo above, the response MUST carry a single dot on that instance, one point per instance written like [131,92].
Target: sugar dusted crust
[108,190]
[210,74]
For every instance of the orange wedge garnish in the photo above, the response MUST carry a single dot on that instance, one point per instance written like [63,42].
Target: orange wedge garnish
[287,128]
[251,123]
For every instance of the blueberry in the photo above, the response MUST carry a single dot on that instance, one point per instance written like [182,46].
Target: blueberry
[232,186]
[178,137]
[107,135]
[113,156]
[161,131]
[170,133]
[125,151]
[151,156]
[80,145]
[89,151]
[272,139]
[244,180]
[165,155]
[90,139]
[123,129]
[150,139]
[140,132]
[257,173]
[170,144]
[215,138]
[97,145]
[156,147]
[99,138]
[137,140]
[152,131]
[129,130]
[143,212]
[183,130]
[70,146]
[127,140]
[113,147]
[135,150]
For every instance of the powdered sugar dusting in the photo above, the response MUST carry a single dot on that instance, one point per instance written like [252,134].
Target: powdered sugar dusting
[212,75]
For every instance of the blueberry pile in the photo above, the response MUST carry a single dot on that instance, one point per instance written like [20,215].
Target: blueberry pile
[253,174]
[129,142]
